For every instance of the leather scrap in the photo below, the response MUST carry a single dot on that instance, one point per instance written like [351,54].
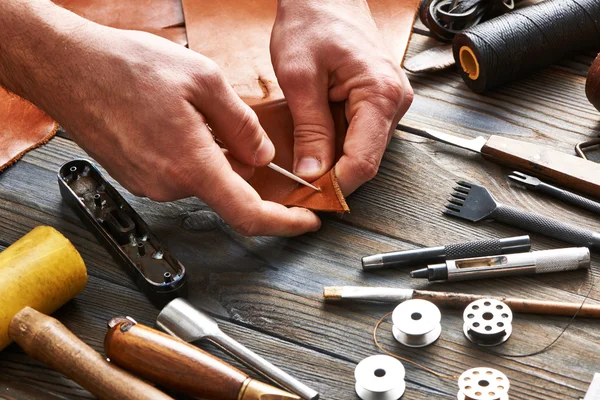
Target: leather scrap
[276,118]
[236,35]
[23,127]
[160,17]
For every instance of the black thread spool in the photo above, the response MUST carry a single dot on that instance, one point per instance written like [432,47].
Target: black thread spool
[516,44]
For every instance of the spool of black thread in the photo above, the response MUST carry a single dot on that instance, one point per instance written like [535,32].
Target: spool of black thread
[515,44]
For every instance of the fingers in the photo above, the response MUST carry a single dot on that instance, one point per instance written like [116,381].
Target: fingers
[314,133]
[241,207]
[373,118]
[231,120]
[243,170]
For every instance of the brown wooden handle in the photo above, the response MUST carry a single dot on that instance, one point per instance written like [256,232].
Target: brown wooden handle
[566,170]
[461,300]
[172,362]
[47,340]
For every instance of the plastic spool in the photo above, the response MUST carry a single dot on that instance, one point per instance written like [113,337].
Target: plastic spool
[416,323]
[488,322]
[379,377]
[483,384]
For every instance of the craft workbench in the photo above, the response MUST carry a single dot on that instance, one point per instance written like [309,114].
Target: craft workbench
[267,292]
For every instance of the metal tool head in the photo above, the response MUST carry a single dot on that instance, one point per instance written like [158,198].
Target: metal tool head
[471,202]
[529,181]
[180,319]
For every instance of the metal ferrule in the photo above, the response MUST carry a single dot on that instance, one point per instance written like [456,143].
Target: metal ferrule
[517,264]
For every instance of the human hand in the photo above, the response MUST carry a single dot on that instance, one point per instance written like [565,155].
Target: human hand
[139,105]
[331,50]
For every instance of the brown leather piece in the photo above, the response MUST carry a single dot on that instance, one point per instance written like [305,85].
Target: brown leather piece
[276,118]
[592,84]
[23,127]
[236,35]
[160,17]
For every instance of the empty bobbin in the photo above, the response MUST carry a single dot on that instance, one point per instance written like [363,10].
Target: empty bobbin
[483,384]
[416,323]
[487,322]
[379,377]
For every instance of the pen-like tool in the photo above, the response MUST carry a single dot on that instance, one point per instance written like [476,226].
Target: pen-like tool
[536,262]
[569,171]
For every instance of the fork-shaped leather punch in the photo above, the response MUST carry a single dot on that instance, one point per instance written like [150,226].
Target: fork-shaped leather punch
[475,203]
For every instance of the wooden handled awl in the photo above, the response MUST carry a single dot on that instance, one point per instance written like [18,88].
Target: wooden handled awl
[47,340]
[175,364]
[564,169]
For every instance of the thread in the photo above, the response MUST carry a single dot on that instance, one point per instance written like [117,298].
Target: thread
[518,43]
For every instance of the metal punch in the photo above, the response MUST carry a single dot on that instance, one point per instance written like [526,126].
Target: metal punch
[180,319]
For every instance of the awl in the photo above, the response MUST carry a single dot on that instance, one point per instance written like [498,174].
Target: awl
[567,170]
[180,319]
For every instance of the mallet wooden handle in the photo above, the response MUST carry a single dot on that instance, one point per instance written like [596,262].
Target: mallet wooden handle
[566,170]
[47,340]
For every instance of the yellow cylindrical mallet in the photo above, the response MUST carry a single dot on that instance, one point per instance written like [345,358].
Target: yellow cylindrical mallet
[41,270]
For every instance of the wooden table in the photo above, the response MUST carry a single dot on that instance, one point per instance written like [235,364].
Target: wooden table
[267,292]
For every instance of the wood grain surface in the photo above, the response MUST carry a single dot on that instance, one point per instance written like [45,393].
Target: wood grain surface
[266,292]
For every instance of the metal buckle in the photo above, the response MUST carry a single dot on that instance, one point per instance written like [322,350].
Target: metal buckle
[580,148]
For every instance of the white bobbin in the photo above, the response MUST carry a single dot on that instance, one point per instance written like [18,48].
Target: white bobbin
[416,323]
[487,322]
[379,377]
[483,384]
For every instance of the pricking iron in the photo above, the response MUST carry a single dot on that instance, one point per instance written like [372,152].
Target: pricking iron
[122,231]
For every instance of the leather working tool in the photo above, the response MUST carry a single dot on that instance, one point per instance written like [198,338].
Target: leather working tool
[569,171]
[182,320]
[293,177]
[536,262]
[580,148]
[534,183]
[176,364]
[429,255]
[159,275]
[475,203]
[42,270]
[457,300]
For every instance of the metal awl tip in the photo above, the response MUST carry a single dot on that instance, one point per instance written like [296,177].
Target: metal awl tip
[282,171]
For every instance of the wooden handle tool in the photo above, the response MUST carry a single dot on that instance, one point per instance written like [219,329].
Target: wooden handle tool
[175,364]
[458,300]
[564,169]
[47,340]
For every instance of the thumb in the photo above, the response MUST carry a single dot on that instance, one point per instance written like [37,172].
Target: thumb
[233,121]
[314,133]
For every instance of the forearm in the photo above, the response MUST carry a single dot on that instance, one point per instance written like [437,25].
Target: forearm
[35,37]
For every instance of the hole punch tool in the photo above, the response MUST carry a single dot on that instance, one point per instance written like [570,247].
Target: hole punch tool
[531,182]
[159,275]
[475,203]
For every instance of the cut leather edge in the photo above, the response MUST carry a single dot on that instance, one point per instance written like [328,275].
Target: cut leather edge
[37,144]
[338,191]
[410,35]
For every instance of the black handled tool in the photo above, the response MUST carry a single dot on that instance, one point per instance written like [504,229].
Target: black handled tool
[475,203]
[122,231]
[534,183]
[430,255]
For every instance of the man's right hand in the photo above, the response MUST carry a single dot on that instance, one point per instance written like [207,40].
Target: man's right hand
[140,106]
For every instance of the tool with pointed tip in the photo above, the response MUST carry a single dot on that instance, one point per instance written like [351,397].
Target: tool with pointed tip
[182,320]
[284,172]
[534,183]
[566,170]
[475,203]
[175,364]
